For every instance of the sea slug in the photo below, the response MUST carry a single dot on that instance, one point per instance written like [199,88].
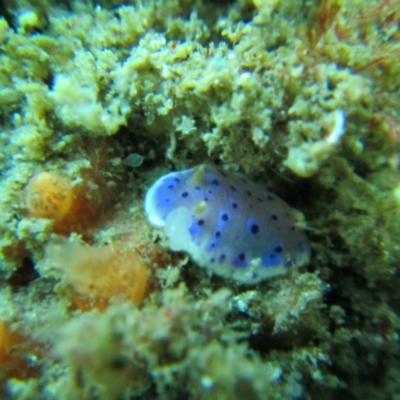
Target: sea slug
[228,224]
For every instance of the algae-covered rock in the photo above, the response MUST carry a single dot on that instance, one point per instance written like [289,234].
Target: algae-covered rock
[301,97]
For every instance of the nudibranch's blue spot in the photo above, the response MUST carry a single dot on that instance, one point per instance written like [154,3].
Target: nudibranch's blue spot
[165,203]
[212,245]
[228,224]
[273,217]
[196,228]
[273,257]
[224,216]
[215,241]
[271,260]
[240,261]
[253,226]
[233,203]
[215,182]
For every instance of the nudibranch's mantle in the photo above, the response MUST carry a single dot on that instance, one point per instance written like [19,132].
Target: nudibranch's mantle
[228,224]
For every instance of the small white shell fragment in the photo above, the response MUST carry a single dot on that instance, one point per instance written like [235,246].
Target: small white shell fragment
[133,160]
[305,159]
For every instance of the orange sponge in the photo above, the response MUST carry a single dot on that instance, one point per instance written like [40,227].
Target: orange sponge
[5,342]
[49,195]
[52,196]
[15,350]
[98,274]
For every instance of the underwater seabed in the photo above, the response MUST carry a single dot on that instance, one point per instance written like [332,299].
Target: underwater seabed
[269,269]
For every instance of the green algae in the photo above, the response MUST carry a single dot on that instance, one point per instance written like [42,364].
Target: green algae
[233,83]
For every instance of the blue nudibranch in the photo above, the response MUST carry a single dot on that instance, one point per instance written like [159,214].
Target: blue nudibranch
[228,224]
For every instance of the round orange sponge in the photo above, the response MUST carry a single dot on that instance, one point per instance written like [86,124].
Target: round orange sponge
[49,195]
